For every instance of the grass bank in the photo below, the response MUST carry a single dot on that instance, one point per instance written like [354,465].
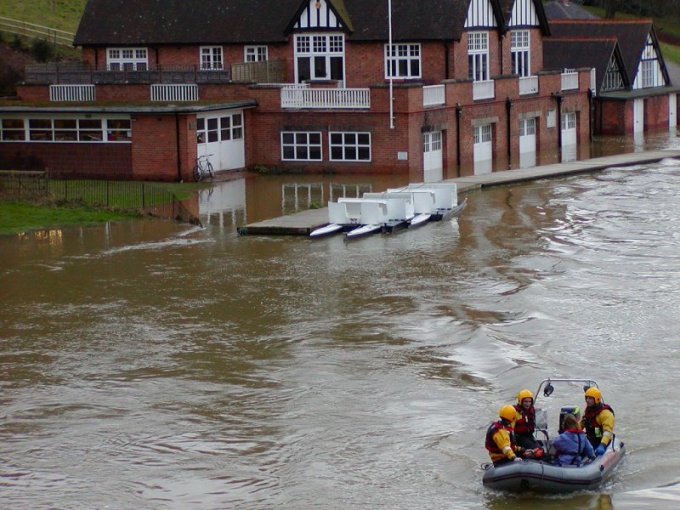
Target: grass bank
[18,217]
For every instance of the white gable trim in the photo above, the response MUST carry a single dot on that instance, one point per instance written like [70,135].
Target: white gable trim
[318,14]
[480,14]
[524,14]
[649,73]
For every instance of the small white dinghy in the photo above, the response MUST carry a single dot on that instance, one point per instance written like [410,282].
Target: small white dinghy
[419,220]
[326,230]
[544,477]
[363,230]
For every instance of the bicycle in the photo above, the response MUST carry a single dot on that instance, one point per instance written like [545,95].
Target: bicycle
[203,167]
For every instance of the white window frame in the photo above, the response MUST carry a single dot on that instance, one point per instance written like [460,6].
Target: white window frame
[12,129]
[224,128]
[404,61]
[320,52]
[128,59]
[212,58]
[527,127]
[483,133]
[478,56]
[303,144]
[432,141]
[354,146]
[612,77]
[520,49]
[568,121]
[255,53]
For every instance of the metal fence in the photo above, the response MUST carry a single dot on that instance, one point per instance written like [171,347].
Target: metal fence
[123,195]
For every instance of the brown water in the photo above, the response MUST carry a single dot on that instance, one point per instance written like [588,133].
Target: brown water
[158,366]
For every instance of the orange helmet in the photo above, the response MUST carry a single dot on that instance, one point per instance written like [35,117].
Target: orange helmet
[525,394]
[595,393]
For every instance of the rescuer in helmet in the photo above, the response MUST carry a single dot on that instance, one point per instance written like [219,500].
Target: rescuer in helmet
[500,438]
[526,420]
[598,421]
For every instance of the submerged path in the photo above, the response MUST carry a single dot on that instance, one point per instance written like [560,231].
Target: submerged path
[304,222]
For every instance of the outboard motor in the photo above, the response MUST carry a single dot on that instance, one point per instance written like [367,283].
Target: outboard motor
[575,410]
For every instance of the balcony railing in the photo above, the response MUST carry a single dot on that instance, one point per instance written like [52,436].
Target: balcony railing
[188,92]
[569,80]
[434,95]
[528,85]
[267,71]
[483,90]
[80,93]
[304,97]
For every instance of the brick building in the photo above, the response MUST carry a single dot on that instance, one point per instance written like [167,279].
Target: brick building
[457,87]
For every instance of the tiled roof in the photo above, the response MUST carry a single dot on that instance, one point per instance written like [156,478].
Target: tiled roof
[577,53]
[631,35]
[139,22]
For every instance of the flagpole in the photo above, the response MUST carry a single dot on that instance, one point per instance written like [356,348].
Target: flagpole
[390,61]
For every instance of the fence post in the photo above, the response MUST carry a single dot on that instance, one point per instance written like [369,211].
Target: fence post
[143,203]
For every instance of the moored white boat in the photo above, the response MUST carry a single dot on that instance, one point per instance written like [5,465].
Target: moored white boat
[545,477]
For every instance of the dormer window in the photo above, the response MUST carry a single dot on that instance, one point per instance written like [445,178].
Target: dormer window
[319,57]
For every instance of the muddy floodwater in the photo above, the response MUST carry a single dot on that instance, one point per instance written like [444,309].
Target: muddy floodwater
[155,365]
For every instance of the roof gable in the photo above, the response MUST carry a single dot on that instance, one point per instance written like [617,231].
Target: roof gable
[579,52]
[631,35]
[320,15]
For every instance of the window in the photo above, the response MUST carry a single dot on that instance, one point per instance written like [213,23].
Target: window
[519,48]
[219,129]
[319,57]
[118,130]
[403,61]
[649,66]
[129,59]
[432,141]
[66,129]
[568,121]
[483,133]
[527,127]
[350,146]
[478,56]
[255,53]
[612,78]
[300,146]
[12,129]
[211,58]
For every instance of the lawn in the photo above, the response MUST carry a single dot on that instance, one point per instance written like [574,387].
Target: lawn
[18,217]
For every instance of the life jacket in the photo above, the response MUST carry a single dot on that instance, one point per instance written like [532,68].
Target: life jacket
[526,424]
[593,430]
[491,445]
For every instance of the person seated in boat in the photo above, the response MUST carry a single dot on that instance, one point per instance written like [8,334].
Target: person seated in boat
[572,445]
[526,420]
[598,421]
[500,438]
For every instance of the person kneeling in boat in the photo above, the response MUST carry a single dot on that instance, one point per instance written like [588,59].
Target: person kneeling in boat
[572,445]
[598,421]
[526,420]
[500,438]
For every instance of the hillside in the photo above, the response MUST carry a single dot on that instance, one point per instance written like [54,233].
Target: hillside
[59,14]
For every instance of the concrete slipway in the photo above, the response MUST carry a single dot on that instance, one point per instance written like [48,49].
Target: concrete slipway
[304,222]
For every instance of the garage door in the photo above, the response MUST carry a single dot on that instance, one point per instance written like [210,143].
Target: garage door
[483,149]
[569,137]
[220,137]
[527,143]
